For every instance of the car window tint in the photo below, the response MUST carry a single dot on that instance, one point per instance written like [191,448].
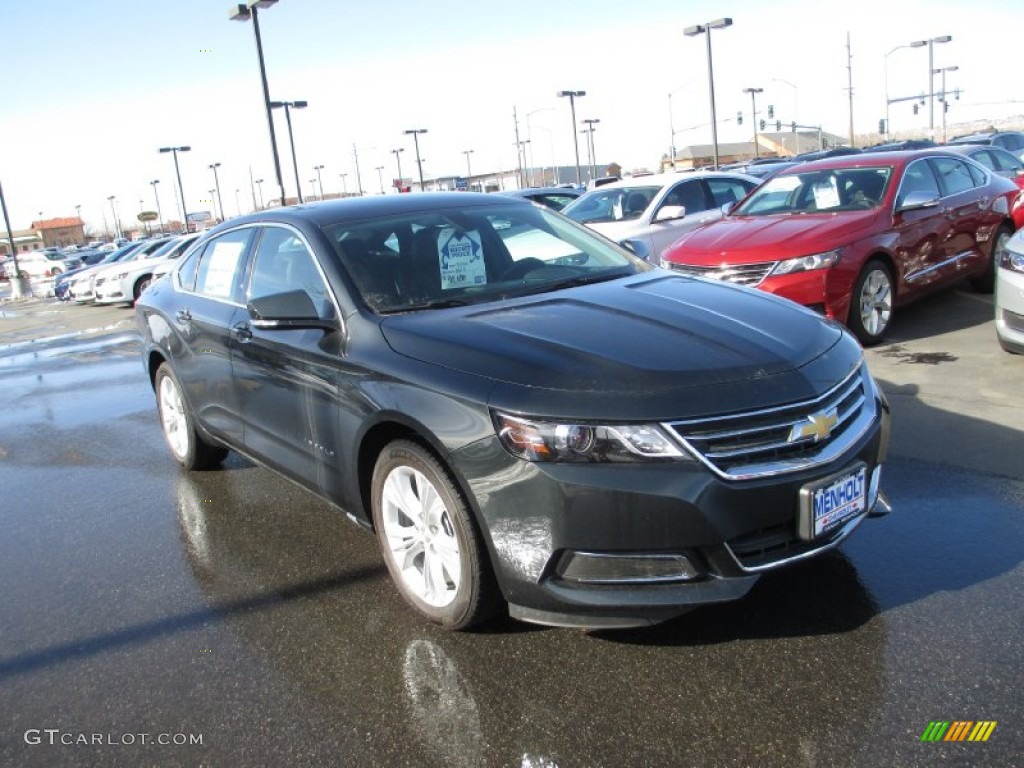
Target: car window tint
[188,269]
[727,190]
[1004,161]
[954,175]
[218,270]
[918,178]
[987,158]
[283,263]
[689,194]
[977,174]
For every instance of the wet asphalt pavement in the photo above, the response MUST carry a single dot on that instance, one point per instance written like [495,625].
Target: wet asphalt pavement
[237,613]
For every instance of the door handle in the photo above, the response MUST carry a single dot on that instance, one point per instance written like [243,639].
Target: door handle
[242,332]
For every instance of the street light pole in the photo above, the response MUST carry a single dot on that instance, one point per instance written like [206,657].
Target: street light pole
[397,153]
[319,179]
[705,29]
[216,183]
[288,106]
[380,177]
[416,140]
[591,122]
[575,138]
[259,185]
[753,116]
[915,44]
[931,80]
[243,12]
[359,178]
[469,170]
[156,196]
[943,97]
[344,185]
[117,222]
[177,171]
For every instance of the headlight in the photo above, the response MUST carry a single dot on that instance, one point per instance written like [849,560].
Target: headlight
[535,440]
[1013,256]
[807,263]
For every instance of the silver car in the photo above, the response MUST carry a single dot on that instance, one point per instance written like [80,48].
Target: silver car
[649,213]
[1010,295]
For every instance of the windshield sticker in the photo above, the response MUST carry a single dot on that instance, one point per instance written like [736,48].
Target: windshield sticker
[826,194]
[462,259]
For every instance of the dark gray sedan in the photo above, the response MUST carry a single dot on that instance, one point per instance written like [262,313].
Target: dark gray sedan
[527,416]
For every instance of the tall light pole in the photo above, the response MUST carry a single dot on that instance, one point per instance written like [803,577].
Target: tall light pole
[591,122]
[177,171]
[312,186]
[344,185]
[469,169]
[359,178]
[397,153]
[117,222]
[416,140]
[288,107]
[156,196]
[705,29]
[244,12]
[573,95]
[380,177]
[943,97]
[216,183]
[753,115]
[259,185]
[319,179]
[931,79]
[915,44]
[529,136]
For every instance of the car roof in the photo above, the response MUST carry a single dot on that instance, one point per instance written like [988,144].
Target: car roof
[527,191]
[665,179]
[870,159]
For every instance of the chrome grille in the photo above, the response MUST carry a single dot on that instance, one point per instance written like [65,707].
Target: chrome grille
[741,274]
[785,439]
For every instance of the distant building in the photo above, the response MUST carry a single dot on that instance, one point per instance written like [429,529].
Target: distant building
[60,233]
[24,241]
[769,144]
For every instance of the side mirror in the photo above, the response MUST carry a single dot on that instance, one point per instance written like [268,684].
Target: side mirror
[293,309]
[728,207]
[670,212]
[916,200]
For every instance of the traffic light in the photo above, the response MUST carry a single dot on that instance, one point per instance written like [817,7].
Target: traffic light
[881,125]
[739,118]
[771,111]
[762,123]
[915,109]
[778,125]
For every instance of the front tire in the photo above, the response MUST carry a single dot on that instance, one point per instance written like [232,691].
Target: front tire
[986,281]
[429,540]
[140,286]
[871,306]
[186,445]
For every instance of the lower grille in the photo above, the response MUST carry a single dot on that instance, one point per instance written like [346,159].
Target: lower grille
[1013,321]
[771,545]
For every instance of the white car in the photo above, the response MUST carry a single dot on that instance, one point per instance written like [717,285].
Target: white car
[35,264]
[649,213]
[125,281]
[83,288]
[1010,295]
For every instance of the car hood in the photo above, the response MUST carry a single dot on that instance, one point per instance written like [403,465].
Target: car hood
[744,239]
[652,346]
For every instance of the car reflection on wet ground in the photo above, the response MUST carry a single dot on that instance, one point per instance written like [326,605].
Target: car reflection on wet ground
[235,606]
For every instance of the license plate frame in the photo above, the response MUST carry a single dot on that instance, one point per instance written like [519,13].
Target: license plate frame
[827,503]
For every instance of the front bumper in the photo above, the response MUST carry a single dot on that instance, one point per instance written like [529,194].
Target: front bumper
[541,519]
[1010,309]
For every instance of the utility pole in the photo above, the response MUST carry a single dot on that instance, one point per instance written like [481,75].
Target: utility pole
[849,81]
[519,147]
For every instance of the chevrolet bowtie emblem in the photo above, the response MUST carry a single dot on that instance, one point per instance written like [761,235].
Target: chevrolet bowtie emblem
[817,426]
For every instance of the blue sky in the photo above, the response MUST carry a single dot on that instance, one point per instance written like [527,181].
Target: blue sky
[88,96]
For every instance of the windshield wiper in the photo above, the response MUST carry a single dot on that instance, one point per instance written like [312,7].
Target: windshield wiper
[441,304]
[571,282]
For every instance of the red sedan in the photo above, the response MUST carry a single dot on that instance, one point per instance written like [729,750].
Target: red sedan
[855,236]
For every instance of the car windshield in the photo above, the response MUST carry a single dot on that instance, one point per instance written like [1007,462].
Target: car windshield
[611,204]
[813,191]
[449,257]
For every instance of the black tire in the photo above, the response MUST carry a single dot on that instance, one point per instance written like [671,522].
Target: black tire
[441,543]
[871,303]
[179,428]
[986,281]
[140,286]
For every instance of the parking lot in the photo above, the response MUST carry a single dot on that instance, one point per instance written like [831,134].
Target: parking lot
[156,617]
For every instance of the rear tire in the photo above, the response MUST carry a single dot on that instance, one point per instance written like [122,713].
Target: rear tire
[140,286]
[185,442]
[429,539]
[986,281]
[871,303]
